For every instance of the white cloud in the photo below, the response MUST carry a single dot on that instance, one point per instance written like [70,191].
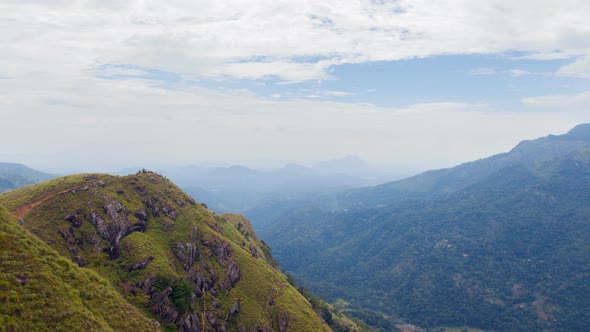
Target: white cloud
[108,123]
[292,40]
[572,101]
[483,71]
[580,68]
[336,93]
[53,102]
[518,72]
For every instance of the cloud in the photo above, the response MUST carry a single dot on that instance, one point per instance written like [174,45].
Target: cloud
[119,82]
[483,71]
[289,40]
[288,71]
[576,101]
[580,68]
[114,123]
[518,72]
[335,93]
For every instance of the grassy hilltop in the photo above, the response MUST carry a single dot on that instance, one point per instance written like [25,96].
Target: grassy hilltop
[158,249]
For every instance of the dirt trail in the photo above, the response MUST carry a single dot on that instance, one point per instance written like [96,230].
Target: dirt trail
[24,209]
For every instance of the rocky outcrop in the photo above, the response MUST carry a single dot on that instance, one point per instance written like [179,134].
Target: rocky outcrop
[141,215]
[233,273]
[219,249]
[283,321]
[113,208]
[160,305]
[156,207]
[254,251]
[141,264]
[235,308]
[187,253]
[113,232]
[80,260]
[74,220]
[190,323]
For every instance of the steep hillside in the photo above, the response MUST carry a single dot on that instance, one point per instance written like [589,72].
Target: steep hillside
[42,291]
[433,183]
[14,176]
[508,253]
[165,253]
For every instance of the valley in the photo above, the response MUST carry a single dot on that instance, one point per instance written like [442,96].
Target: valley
[494,244]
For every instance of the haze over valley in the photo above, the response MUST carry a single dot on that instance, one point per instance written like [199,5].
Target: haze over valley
[295,166]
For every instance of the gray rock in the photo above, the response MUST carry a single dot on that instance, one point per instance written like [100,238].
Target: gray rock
[141,264]
[190,323]
[74,220]
[283,321]
[235,308]
[233,273]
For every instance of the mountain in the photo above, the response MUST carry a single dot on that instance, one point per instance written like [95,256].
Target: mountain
[43,291]
[14,176]
[143,242]
[443,181]
[497,244]
[242,189]
[345,165]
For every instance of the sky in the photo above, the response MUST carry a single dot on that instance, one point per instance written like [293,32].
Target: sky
[409,85]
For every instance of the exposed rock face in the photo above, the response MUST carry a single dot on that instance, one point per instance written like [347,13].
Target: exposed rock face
[113,208]
[116,231]
[156,206]
[98,222]
[219,249]
[235,308]
[187,253]
[190,323]
[254,251]
[141,264]
[80,260]
[141,215]
[233,273]
[74,220]
[160,305]
[283,321]
[118,228]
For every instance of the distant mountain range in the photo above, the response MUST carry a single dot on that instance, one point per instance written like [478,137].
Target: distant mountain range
[14,176]
[443,181]
[242,189]
[498,244]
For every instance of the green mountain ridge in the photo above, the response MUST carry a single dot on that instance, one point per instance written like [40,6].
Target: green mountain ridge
[170,257]
[439,182]
[507,252]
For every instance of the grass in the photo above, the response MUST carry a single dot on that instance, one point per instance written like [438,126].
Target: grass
[57,294]
[260,280]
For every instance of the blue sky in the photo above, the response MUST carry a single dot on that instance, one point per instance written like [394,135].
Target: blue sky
[499,80]
[404,84]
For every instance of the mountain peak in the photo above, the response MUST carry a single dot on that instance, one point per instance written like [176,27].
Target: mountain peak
[580,132]
[162,251]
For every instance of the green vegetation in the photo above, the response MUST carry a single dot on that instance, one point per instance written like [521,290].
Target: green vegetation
[163,252]
[509,252]
[42,291]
